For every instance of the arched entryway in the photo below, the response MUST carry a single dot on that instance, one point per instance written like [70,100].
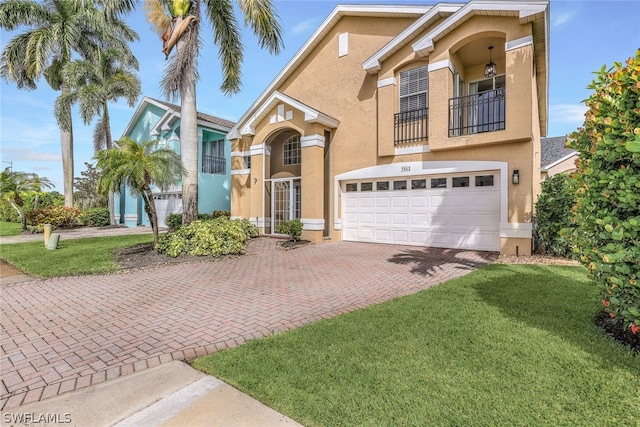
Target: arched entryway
[284,183]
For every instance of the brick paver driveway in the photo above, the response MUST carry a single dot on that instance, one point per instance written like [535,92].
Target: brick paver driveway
[63,334]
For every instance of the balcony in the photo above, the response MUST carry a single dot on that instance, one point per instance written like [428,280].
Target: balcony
[477,113]
[214,165]
[410,126]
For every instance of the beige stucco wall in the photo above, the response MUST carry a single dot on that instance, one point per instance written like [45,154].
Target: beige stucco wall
[340,88]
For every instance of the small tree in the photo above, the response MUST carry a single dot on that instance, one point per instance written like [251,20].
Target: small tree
[607,207]
[14,187]
[138,167]
[553,215]
[86,189]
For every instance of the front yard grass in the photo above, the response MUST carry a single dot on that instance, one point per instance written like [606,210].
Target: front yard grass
[505,345]
[73,257]
[10,229]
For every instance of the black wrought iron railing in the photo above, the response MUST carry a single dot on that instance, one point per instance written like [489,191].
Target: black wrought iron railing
[215,165]
[410,126]
[476,113]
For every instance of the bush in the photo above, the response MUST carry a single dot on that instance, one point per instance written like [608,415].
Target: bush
[293,228]
[174,221]
[608,196]
[554,219]
[215,237]
[218,214]
[94,217]
[57,216]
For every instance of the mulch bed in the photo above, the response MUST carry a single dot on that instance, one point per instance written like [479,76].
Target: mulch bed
[613,329]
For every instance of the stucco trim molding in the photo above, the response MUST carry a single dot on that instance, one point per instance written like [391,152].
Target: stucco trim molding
[440,65]
[518,43]
[516,230]
[312,224]
[386,82]
[416,149]
[425,168]
[241,172]
[314,140]
[240,153]
[258,150]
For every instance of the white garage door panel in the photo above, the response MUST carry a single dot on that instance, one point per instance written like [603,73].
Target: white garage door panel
[464,218]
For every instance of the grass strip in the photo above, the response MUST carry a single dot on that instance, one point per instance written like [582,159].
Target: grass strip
[73,257]
[504,346]
[9,229]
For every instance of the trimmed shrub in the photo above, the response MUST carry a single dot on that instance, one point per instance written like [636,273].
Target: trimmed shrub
[218,214]
[174,221]
[607,209]
[293,228]
[94,217]
[554,219]
[57,216]
[215,237]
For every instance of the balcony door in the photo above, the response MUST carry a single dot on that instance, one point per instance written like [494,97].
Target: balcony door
[487,112]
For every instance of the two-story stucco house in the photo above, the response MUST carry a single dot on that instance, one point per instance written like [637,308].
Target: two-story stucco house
[412,125]
[157,120]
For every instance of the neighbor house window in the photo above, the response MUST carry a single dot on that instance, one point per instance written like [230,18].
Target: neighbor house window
[213,160]
[291,151]
[414,84]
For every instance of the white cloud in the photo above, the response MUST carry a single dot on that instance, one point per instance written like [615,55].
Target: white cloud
[559,19]
[26,155]
[567,113]
[304,26]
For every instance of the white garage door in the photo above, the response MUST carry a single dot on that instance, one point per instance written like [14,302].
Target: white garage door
[449,211]
[167,203]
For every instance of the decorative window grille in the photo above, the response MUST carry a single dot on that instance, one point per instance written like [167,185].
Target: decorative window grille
[213,160]
[291,151]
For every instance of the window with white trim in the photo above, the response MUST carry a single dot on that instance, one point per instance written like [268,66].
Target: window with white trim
[291,151]
[414,85]
[213,159]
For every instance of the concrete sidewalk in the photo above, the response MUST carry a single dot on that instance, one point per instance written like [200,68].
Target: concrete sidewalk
[171,394]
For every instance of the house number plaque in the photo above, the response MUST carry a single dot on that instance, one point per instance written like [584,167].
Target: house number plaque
[405,168]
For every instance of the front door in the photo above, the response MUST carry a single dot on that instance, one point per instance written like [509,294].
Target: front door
[285,201]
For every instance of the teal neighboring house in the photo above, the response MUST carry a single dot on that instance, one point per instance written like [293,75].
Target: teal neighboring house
[159,120]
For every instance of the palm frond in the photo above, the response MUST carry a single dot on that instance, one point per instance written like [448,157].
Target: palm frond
[226,34]
[261,16]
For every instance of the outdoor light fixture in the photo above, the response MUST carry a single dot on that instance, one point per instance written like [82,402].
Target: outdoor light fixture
[515,178]
[490,69]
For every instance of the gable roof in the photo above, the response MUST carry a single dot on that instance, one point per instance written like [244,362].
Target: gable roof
[311,115]
[553,151]
[399,11]
[440,10]
[172,111]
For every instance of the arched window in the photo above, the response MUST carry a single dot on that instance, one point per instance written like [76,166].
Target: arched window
[291,151]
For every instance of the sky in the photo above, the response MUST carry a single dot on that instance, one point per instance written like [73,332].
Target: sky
[584,36]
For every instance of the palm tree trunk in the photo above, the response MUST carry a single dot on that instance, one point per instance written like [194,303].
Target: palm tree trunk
[66,142]
[150,207]
[189,144]
[107,130]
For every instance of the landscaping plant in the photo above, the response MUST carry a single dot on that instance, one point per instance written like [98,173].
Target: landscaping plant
[94,217]
[293,228]
[554,222]
[57,216]
[607,210]
[214,237]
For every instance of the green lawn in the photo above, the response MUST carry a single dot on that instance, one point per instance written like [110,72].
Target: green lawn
[73,257]
[503,346]
[10,229]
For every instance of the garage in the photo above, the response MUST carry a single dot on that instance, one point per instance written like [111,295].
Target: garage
[167,203]
[459,211]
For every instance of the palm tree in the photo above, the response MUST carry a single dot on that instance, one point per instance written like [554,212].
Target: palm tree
[56,29]
[178,21]
[93,85]
[14,185]
[138,167]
